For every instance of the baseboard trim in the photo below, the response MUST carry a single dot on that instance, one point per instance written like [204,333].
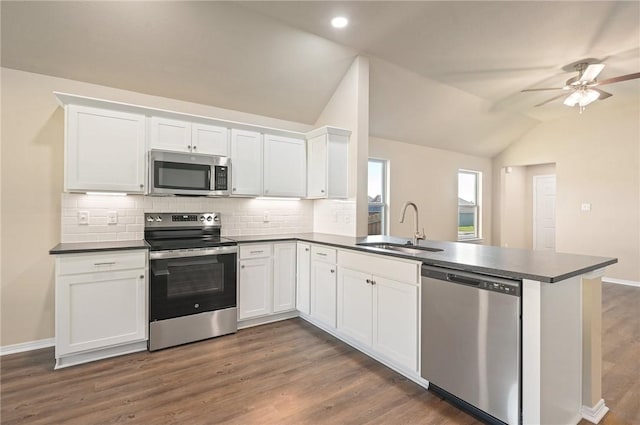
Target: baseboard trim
[621,281]
[27,346]
[596,413]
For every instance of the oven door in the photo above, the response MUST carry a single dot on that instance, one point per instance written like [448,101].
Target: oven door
[184,285]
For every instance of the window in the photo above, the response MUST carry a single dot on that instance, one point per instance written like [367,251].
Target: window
[469,189]
[377,196]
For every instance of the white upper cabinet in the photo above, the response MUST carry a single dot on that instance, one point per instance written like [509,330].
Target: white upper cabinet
[170,134]
[285,166]
[328,163]
[184,136]
[104,150]
[209,139]
[246,163]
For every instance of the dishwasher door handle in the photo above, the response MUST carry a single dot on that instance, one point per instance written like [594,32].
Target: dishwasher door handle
[451,277]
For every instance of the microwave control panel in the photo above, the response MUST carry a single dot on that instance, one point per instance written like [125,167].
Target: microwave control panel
[220,181]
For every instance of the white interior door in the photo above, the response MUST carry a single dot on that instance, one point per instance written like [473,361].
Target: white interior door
[544,213]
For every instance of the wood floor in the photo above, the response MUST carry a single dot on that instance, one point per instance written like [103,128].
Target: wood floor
[284,373]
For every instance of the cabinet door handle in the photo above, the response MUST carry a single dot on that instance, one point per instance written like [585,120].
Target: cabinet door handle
[333,271]
[141,186]
[321,254]
[373,282]
[242,266]
[233,190]
[322,191]
[141,276]
[256,252]
[368,280]
[195,148]
[306,249]
[110,263]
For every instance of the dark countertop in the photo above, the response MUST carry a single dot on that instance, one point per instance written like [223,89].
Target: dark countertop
[490,260]
[80,247]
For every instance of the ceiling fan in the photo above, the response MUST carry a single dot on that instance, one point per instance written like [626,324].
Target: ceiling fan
[582,88]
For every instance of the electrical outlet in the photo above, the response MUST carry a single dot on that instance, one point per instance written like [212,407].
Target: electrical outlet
[347,218]
[83,217]
[586,207]
[267,217]
[112,217]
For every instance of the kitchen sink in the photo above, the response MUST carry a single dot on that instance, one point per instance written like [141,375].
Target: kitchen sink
[406,249]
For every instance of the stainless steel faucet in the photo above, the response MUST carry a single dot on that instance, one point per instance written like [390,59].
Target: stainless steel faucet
[417,235]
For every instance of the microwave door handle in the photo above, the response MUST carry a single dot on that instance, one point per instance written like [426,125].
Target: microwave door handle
[212,184]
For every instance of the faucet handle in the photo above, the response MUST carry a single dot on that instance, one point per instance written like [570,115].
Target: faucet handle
[420,234]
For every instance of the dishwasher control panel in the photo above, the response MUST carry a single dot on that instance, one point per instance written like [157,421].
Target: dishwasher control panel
[501,287]
[478,281]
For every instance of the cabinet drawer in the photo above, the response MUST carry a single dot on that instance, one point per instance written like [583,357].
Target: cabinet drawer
[320,253]
[380,265]
[91,263]
[255,251]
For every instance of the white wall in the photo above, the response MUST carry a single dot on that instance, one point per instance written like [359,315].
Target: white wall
[32,183]
[349,108]
[597,161]
[429,177]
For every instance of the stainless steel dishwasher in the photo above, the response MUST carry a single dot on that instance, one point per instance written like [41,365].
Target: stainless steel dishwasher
[471,342]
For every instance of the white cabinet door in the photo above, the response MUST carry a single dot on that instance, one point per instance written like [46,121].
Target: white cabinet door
[209,139]
[303,277]
[284,277]
[96,310]
[104,150]
[395,327]
[317,167]
[338,167]
[254,288]
[355,304]
[323,292]
[173,135]
[246,163]
[285,166]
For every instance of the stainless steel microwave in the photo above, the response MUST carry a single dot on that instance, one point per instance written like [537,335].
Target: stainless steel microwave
[177,173]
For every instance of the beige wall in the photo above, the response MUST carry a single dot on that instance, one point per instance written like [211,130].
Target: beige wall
[32,173]
[597,160]
[429,177]
[517,192]
[349,108]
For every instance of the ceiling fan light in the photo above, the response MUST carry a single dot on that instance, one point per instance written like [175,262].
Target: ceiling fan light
[572,99]
[588,96]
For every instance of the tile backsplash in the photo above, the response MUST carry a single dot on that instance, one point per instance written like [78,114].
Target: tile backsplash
[240,216]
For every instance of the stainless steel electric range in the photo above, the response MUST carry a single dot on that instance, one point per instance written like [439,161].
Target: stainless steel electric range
[192,288]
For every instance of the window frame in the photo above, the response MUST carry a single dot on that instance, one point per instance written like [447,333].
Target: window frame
[476,207]
[384,230]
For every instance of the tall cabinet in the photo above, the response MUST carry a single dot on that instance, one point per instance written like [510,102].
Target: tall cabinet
[328,163]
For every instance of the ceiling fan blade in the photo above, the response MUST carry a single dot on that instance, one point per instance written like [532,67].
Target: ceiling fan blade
[620,78]
[544,89]
[603,94]
[550,100]
[592,72]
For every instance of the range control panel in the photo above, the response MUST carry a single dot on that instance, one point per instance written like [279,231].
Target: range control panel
[181,220]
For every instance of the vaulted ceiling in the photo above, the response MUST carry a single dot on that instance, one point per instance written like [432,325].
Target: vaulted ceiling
[443,74]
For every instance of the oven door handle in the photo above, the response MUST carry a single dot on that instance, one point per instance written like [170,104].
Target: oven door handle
[181,253]
[159,271]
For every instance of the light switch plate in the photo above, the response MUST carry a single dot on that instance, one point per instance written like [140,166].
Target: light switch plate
[83,217]
[112,217]
[267,217]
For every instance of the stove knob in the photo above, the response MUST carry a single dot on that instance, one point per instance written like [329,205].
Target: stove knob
[209,218]
[201,218]
[216,218]
[150,219]
[158,219]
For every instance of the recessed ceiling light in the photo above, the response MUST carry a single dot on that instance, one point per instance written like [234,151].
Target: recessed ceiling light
[339,22]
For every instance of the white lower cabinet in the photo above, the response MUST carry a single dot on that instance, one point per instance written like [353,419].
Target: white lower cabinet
[323,285]
[303,278]
[379,312]
[254,289]
[266,279]
[101,306]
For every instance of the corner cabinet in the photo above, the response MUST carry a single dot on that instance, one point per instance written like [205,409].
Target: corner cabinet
[285,166]
[101,306]
[328,163]
[104,150]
